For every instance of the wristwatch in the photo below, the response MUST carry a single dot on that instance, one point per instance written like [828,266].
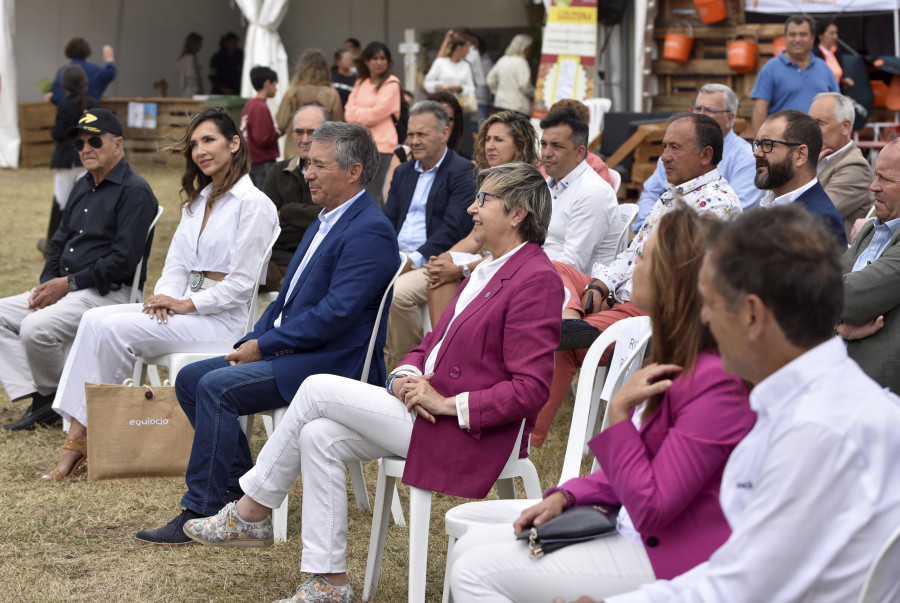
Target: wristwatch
[71,285]
[465,271]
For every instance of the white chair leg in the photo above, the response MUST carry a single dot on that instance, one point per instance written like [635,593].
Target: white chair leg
[279,521]
[380,516]
[419,523]
[530,479]
[359,486]
[153,376]
[397,510]
[451,542]
[506,488]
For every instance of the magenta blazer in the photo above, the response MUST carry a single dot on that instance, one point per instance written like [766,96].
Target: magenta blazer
[668,474]
[500,350]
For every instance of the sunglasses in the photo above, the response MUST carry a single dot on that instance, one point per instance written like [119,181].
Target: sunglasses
[94,141]
[209,111]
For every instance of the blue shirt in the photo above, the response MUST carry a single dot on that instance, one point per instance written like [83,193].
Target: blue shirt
[738,168]
[414,231]
[98,79]
[880,239]
[784,85]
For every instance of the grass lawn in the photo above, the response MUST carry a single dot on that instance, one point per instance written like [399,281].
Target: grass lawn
[73,540]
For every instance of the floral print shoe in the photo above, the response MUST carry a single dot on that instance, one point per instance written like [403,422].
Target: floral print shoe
[321,591]
[228,529]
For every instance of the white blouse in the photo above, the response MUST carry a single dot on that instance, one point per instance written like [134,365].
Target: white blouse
[445,72]
[240,227]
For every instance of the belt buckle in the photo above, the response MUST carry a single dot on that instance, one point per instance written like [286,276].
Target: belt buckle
[196,282]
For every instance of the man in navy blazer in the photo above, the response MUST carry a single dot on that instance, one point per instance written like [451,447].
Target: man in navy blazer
[427,205]
[787,151]
[320,323]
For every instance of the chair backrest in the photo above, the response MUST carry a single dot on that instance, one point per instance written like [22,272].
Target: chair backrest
[137,292]
[616,181]
[253,310]
[598,108]
[627,213]
[590,386]
[371,350]
[881,583]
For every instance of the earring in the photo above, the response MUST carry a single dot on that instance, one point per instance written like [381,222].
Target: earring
[514,224]
[233,151]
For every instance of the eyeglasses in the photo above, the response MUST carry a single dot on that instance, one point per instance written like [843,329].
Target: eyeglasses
[94,141]
[301,131]
[482,196]
[702,109]
[767,144]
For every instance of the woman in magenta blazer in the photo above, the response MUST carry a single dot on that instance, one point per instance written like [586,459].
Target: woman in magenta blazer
[672,427]
[453,408]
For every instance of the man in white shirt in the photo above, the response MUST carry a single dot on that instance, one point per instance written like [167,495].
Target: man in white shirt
[427,205]
[813,492]
[737,165]
[584,227]
[842,170]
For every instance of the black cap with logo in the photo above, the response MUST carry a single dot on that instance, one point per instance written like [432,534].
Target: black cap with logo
[96,121]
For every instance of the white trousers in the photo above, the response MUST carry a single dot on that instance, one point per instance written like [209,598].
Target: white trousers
[63,183]
[331,420]
[34,344]
[111,338]
[489,565]
[404,330]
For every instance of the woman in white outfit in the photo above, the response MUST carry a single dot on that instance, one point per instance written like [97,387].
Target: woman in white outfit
[454,74]
[510,78]
[201,300]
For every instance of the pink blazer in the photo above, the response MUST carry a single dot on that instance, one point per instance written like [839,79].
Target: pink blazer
[668,474]
[500,350]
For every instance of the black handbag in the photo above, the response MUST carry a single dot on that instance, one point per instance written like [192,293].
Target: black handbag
[578,524]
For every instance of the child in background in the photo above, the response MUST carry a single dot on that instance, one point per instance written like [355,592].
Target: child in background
[258,127]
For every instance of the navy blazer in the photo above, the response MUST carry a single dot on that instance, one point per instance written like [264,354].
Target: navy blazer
[452,192]
[327,322]
[816,200]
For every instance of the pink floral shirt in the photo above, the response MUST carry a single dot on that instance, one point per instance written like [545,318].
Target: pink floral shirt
[707,193]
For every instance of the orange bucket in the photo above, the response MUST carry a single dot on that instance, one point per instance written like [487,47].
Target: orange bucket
[711,11]
[879,94]
[742,54]
[778,46]
[678,44]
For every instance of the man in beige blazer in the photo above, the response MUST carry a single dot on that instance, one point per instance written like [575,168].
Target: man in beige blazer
[842,170]
[871,316]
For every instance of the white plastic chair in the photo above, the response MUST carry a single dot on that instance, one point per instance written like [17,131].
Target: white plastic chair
[271,419]
[616,180]
[882,584]
[391,469]
[589,398]
[175,361]
[627,213]
[598,107]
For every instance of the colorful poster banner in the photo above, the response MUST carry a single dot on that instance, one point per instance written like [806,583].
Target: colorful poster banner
[568,54]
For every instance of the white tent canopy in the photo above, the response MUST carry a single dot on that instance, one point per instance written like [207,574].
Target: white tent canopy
[820,6]
[9,122]
[262,44]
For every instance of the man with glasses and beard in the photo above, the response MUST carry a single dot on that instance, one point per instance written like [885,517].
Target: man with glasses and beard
[91,261]
[787,149]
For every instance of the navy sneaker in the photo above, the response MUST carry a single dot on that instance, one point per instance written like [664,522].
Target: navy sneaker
[172,533]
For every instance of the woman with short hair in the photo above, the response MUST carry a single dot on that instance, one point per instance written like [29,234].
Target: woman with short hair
[453,408]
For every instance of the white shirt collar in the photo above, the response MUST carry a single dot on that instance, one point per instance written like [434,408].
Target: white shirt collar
[783,385]
[770,200]
[824,161]
[570,178]
[418,165]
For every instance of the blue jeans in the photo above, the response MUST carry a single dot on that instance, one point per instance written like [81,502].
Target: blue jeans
[213,395]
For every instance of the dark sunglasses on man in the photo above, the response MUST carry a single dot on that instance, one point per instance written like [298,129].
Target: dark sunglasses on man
[94,141]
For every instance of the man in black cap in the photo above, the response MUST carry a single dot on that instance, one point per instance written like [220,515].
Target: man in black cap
[90,263]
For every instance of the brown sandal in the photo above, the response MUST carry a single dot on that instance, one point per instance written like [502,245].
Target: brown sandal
[79,466]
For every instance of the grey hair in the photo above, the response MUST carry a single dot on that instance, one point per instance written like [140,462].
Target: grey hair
[351,144]
[433,107]
[521,185]
[326,114]
[843,106]
[731,99]
[518,45]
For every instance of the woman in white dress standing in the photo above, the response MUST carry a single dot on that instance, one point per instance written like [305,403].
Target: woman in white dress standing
[201,300]
[189,80]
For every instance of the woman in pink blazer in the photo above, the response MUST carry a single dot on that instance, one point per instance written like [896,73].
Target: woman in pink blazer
[453,408]
[672,427]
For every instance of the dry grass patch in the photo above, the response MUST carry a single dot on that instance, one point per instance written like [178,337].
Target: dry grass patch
[73,541]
